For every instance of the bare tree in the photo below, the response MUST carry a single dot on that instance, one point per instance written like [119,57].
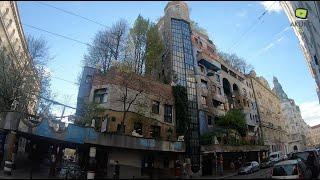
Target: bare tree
[236,62]
[108,45]
[119,35]
[40,57]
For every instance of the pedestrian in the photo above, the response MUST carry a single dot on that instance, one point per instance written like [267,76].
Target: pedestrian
[232,166]
[116,170]
[53,165]
[221,165]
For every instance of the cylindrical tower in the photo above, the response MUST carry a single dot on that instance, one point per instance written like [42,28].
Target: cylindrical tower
[178,10]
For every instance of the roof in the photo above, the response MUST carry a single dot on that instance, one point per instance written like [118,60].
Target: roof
[135,82]
[287,162]
[316,126]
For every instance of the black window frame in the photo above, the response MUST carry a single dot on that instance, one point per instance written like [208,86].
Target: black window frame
[101,95]
[136,126]
[209,120]
[168,113]
[204,83]
[155,131]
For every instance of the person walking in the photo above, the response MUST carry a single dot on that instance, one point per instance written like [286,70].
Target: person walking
[232,166]
[221,165]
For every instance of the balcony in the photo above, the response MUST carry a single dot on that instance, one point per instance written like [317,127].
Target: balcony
[208,62]
[86,135]
[130,142]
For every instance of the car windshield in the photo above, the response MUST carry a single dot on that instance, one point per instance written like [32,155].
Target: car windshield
[285,170]
[247,164]
[274,156]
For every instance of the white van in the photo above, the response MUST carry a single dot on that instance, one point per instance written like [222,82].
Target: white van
[276,156]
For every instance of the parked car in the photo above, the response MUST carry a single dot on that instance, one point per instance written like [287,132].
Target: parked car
[249,167]
[276,156]
[285,157]
[266,164]
[291,169]
[311,159]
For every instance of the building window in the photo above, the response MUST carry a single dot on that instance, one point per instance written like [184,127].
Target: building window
[155,131]
[316,60]
[204,100]
[138,127]
[209,120]
[250,116]
[168,113]
[218,77]
[204,84]
[202,69]
[100,95]
[155,107]
[88,79]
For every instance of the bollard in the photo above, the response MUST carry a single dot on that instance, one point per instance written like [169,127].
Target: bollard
[92,163]
[8,167]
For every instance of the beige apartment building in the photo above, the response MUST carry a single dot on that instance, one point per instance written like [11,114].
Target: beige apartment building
[295,126]
[269,109]
[315,136]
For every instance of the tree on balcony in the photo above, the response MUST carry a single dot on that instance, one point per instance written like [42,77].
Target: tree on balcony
[233,119]
[91,110]
[236,62]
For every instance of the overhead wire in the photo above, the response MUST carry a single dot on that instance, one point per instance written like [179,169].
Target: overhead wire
[72,13]
[237,42]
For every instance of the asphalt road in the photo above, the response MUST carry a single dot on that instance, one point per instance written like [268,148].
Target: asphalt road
[261,174]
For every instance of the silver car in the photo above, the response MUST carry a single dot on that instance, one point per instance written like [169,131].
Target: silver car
[249,167]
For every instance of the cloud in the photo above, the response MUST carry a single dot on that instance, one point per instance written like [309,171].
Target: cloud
[242,14]
[272,6]
[310,112]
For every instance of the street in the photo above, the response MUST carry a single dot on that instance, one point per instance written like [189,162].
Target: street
[261,174]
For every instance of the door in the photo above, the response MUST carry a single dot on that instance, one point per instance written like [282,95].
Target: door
[207,165]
